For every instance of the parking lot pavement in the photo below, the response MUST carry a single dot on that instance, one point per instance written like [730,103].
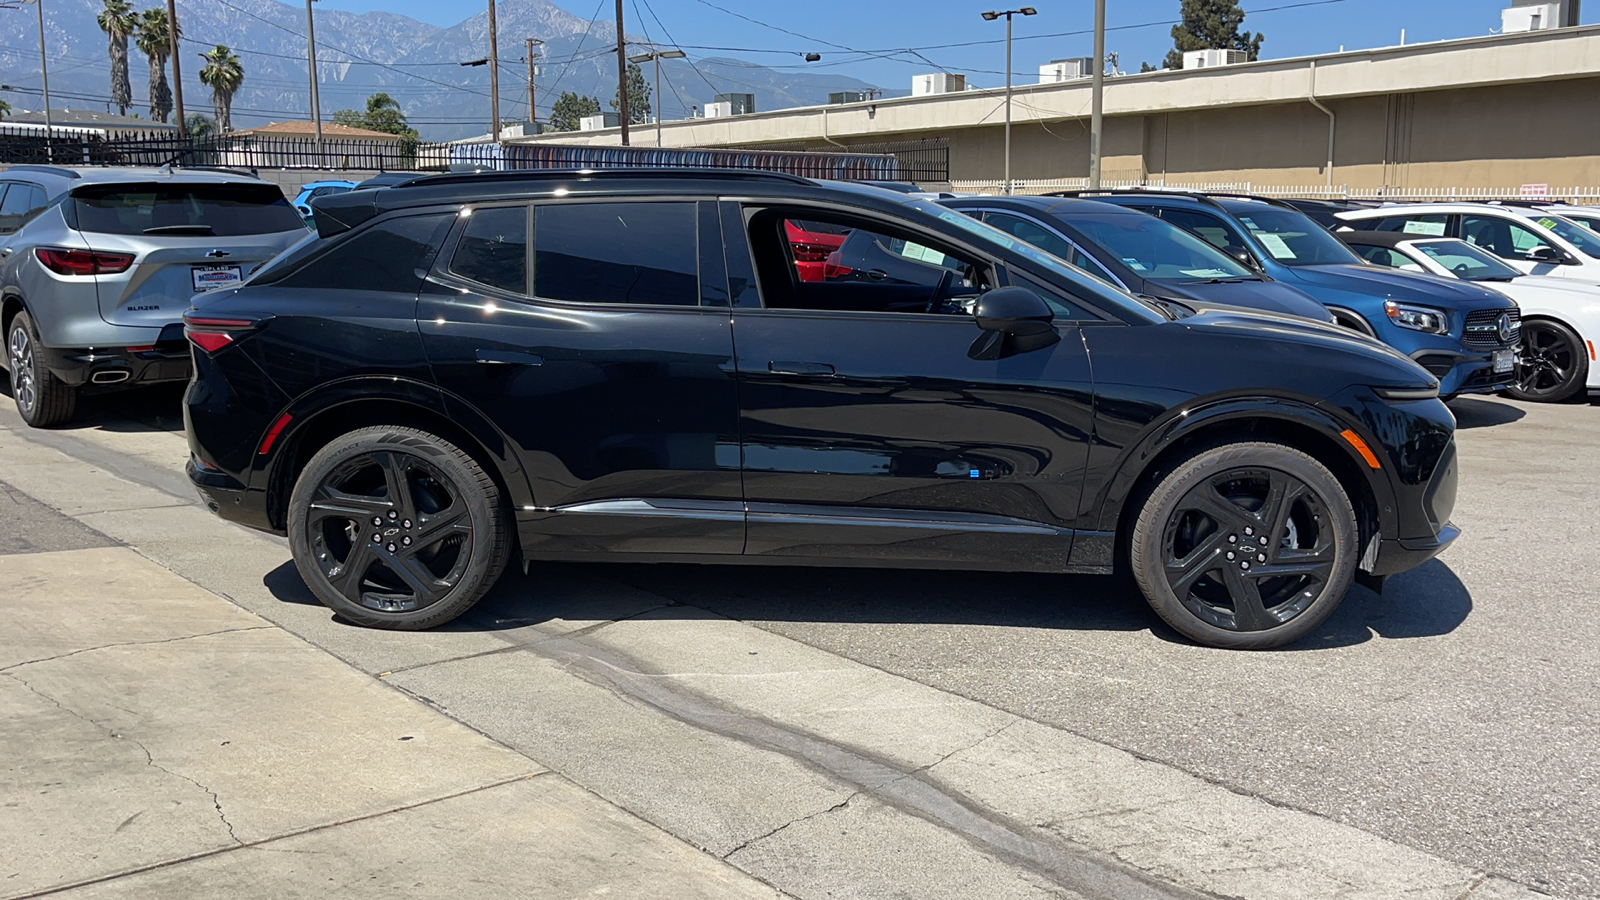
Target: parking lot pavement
[860,733]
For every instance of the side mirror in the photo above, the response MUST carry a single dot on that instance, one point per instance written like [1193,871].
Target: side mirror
[1244,257]
[1547,255]
[1015,311]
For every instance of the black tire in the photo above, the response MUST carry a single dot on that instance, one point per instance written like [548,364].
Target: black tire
[1187,550]
[1552,363]
[43,400]
[404,564]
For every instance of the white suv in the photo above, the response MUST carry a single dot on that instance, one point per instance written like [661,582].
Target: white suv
[1532,240]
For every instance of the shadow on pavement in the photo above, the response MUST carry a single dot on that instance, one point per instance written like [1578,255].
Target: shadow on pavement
[1474,413]
[136,410]
[1426,602]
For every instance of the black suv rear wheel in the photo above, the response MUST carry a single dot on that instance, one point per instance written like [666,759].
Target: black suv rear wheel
[1245,546]
[397,528]
[43,400]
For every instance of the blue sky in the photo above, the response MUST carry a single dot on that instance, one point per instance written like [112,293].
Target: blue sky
[885,24]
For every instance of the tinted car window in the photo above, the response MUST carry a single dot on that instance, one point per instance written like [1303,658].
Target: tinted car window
[616,253]
[1467,261]
[1158,249]
[1048,241]
[223,210]
[1293,239]
[1210,228]
[1389,259]
[13,203]
[392,256]
[494,249]
[1502,237]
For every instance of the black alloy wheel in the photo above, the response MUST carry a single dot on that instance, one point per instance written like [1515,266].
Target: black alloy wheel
[397,528]
[1246,546]
[42,399]
[1552,363]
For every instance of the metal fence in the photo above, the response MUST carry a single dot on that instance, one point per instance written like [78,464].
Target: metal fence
[1574,195]
[810,164]
[924,162]
[20,143]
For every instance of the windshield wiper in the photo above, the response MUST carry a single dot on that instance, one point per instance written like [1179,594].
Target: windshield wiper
[179,229]
[1238,280]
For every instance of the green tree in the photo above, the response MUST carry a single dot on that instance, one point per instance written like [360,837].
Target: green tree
[223,73]
[155,42]
[638,97]
[1146,67]
[569,108]
[118,21]
[4,108]
[1211,25]
[382,114]
[199,126]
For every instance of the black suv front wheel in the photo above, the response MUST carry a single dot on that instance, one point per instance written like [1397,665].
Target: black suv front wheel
[43,400]
[396,528]
[1245,546]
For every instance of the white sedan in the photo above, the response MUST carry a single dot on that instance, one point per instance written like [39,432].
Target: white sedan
[1560,316]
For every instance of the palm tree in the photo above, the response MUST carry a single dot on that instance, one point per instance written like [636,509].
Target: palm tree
[223,73]
[155,42]
[118,20]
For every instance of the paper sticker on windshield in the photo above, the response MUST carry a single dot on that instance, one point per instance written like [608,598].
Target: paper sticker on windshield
[1548,223]
[1135,265]
[1434,229]
[1207,273]
[1275,245]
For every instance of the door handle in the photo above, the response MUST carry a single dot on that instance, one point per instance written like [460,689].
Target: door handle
[509,358]
[799,368]
[877,274]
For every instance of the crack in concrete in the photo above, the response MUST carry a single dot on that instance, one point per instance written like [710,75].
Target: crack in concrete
[187,637]
[805,818]
[885,780]
[149,758]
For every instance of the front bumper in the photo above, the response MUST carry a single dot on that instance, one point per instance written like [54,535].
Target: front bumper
[1459,372]
[225,496]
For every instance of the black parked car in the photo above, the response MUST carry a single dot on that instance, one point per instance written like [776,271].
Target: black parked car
[1139,253]
[544,364]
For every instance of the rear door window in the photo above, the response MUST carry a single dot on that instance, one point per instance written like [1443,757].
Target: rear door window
[617,253]
[494,249]
[1210,228]
[216,210]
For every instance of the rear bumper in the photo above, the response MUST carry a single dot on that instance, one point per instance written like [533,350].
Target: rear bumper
[226,497]
[167,360]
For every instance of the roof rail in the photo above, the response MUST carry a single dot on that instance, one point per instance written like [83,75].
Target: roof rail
[247,173]
[1137,191]
[514,175]
[46,170]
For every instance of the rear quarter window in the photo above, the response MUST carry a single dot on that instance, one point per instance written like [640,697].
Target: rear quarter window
[153,208]
[390,256]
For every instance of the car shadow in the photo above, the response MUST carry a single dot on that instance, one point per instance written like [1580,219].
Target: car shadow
[136,410]
[1473,412]
[1426,602]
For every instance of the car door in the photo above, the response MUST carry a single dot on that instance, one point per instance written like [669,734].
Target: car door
[593,350]
[879,433]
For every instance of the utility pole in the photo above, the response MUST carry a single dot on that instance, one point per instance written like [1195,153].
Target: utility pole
[177,71]
[494,73]
[622,79]
[1098,91]
[44,75]
[531,97]
[311,55]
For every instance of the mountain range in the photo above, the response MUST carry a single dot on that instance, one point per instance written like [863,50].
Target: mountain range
[360,54]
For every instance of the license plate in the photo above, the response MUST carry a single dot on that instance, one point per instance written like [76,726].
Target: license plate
[209,278]
[1504,360]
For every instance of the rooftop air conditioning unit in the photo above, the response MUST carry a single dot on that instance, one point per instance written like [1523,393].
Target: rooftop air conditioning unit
[595,123]
[1066,69]
[738,104]
[937,83]
[838,97]
[719,110]
[1209,59]
[1532,17]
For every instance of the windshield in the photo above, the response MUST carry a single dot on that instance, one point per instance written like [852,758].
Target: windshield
[1293,239]
[176,208]
[1578,236]
[1158,249]
[1466,261]
[993,235]
[1589,220]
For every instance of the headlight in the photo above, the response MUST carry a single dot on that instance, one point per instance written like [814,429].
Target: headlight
[1417,318]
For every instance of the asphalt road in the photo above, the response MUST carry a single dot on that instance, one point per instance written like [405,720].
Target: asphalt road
[1457,713]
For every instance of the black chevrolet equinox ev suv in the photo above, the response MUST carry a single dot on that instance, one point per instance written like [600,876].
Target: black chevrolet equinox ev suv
[625,365]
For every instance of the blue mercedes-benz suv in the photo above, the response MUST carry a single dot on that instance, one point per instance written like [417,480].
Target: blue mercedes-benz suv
[1466,335]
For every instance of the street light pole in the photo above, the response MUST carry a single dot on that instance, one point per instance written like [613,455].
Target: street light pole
[658,56]
[177,70]
[494,75]
[311,56]
[1097,91]
[990,17]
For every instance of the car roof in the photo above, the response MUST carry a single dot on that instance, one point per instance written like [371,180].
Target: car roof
[1445,207]
[81,175]
[1044,205]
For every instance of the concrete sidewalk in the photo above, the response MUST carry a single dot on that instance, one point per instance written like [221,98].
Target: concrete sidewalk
[161,741]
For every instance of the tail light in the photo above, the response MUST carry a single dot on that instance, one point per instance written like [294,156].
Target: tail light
[82,262]
[832,268]
[810,252]
[212,333]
